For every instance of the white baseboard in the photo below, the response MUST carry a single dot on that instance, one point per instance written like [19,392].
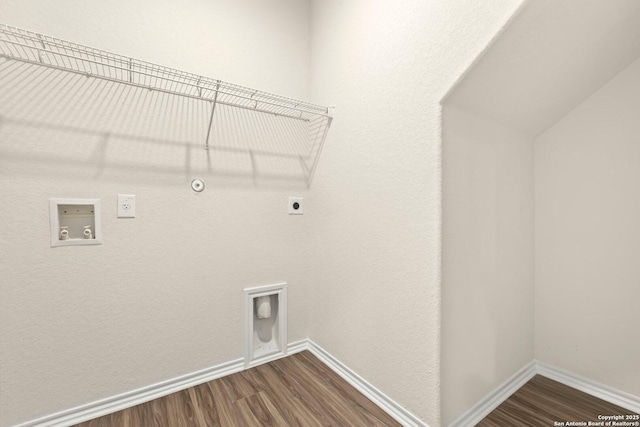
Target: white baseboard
[601,391]
[132,398]
[383,401]
[481,409]
[298,346]
[122,401]
[470,418]
[490,402]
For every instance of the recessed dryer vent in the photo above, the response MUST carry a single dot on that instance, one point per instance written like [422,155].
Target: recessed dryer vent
[75,222]
[265,310]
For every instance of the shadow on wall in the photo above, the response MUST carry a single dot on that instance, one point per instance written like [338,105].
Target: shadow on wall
[55,123]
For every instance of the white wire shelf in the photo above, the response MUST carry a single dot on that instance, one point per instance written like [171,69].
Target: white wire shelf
[34,48]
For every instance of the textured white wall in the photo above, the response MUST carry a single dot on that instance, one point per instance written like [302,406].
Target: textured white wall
[253,43]
[588,238]
[376,196]
[163,295]
[551,57]
[487,257]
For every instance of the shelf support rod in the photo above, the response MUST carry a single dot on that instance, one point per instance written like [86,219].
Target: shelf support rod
[213,110]
[198,86]
[44,48]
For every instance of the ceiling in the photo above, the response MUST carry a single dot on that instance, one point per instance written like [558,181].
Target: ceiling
[549,58]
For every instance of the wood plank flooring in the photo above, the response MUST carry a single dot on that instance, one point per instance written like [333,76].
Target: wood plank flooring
[543,402]
[298,390]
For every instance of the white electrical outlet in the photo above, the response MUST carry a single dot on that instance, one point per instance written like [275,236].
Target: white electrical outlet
[126,206]
[295,206]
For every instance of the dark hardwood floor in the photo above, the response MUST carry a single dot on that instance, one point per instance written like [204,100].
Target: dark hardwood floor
[544,402]
[298,390]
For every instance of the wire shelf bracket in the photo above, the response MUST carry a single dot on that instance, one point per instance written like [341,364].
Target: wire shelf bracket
[34,48]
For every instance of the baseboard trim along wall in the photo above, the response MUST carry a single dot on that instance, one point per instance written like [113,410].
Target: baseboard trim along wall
[470,418]
[601,391]
[135,397]
[490,402]
[122,401]
[383,401]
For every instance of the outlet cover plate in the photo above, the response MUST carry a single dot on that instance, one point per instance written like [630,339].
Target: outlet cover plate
[293,202]
[126,206]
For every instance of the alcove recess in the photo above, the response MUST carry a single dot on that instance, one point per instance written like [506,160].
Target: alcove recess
[266,337]
[75,222]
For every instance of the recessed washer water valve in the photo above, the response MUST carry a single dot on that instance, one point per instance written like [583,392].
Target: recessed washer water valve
[74,222]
